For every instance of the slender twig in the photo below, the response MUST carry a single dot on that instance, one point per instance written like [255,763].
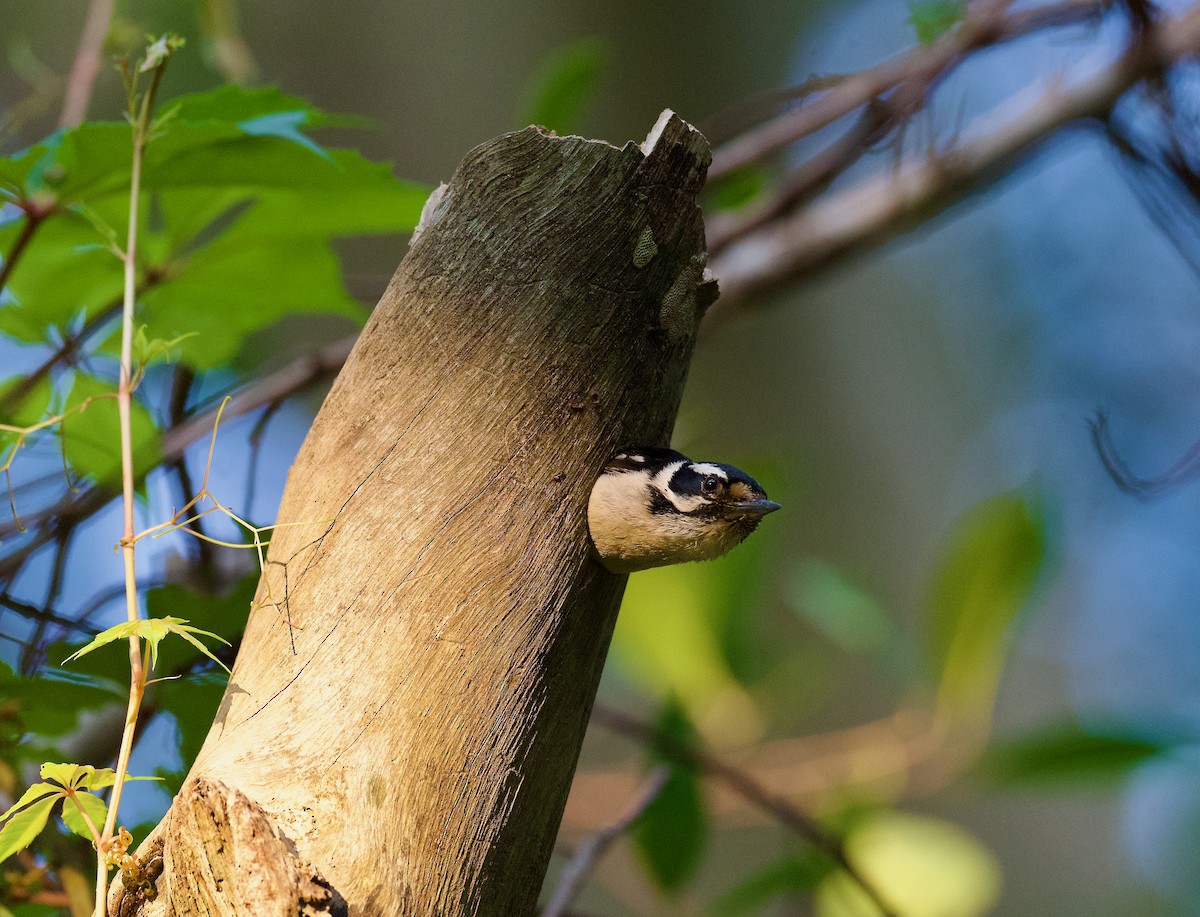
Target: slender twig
[806,181]
[1186,468]
[589,851]
[86,66]
[747,787]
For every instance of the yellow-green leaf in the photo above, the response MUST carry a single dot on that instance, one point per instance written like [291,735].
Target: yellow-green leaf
[921,867]
[70,775]
[27,817]
[985,577]
[96,810]
[153,631]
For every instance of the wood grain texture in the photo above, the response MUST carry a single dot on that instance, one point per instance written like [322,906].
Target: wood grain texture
[412,691]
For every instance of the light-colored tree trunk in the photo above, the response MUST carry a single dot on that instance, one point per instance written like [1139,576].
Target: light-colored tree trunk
[407,708]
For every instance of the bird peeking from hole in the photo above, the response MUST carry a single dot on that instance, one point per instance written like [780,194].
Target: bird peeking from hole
[652,507]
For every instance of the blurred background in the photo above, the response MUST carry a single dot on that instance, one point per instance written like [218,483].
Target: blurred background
[961,644]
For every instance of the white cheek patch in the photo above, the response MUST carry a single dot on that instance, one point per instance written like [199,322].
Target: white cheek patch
[685,504]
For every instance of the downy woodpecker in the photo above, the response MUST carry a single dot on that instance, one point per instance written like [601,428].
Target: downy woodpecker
[652,507]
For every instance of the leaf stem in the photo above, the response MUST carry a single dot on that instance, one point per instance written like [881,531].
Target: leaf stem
[138,661]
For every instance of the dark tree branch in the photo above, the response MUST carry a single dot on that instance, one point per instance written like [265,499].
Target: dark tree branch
[30,222]
[588,853]
[744,785]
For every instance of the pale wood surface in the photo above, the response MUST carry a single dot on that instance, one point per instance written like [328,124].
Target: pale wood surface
[407,718]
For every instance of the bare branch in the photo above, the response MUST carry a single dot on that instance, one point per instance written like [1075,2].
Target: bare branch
[589,852]
[75,507]
[987,25]
[86,66]
[881,207]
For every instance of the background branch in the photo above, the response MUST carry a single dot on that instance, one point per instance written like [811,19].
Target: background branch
[588,853]
[877,209]
[88,59]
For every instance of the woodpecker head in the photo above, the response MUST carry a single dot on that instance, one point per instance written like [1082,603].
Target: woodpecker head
[652,507]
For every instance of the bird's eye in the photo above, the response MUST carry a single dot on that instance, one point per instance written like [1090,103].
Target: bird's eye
[709,485]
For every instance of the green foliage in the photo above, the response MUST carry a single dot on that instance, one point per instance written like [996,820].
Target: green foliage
[223,616]
[984,578]
[922,867]
[565,82]
[27,817]
[931,18]
[672,833]
[844,612]
[241,209]
[153,631]
[737,189]
[1066,755]
[51,702]
[790,875]
[90,430]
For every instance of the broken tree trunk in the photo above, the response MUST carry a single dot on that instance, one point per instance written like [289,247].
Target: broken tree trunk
[407,708]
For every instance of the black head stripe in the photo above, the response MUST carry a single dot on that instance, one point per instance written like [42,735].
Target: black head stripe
[688,481]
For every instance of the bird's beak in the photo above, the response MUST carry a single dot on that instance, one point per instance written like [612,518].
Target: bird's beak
[757,508]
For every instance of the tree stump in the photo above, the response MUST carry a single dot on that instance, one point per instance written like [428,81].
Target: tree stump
[407,708]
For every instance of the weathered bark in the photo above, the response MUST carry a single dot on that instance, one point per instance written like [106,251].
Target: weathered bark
[407,709]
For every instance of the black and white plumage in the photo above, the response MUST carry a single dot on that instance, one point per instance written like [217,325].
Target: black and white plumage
[652,507]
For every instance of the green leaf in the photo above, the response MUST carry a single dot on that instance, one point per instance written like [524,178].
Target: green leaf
[50,704]
[563,85]
[842,610]
[92,436]
[94,806]
[82,162]
[672,833]
[930,18]
[228,290]
[65,272]
[1067,755]
[16,169]
[27,817]
[737,189]
[69,775]
[154,631]
[237,105]
[28,411]
[146,351]
[791,875]
[922,867]
[985,576]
